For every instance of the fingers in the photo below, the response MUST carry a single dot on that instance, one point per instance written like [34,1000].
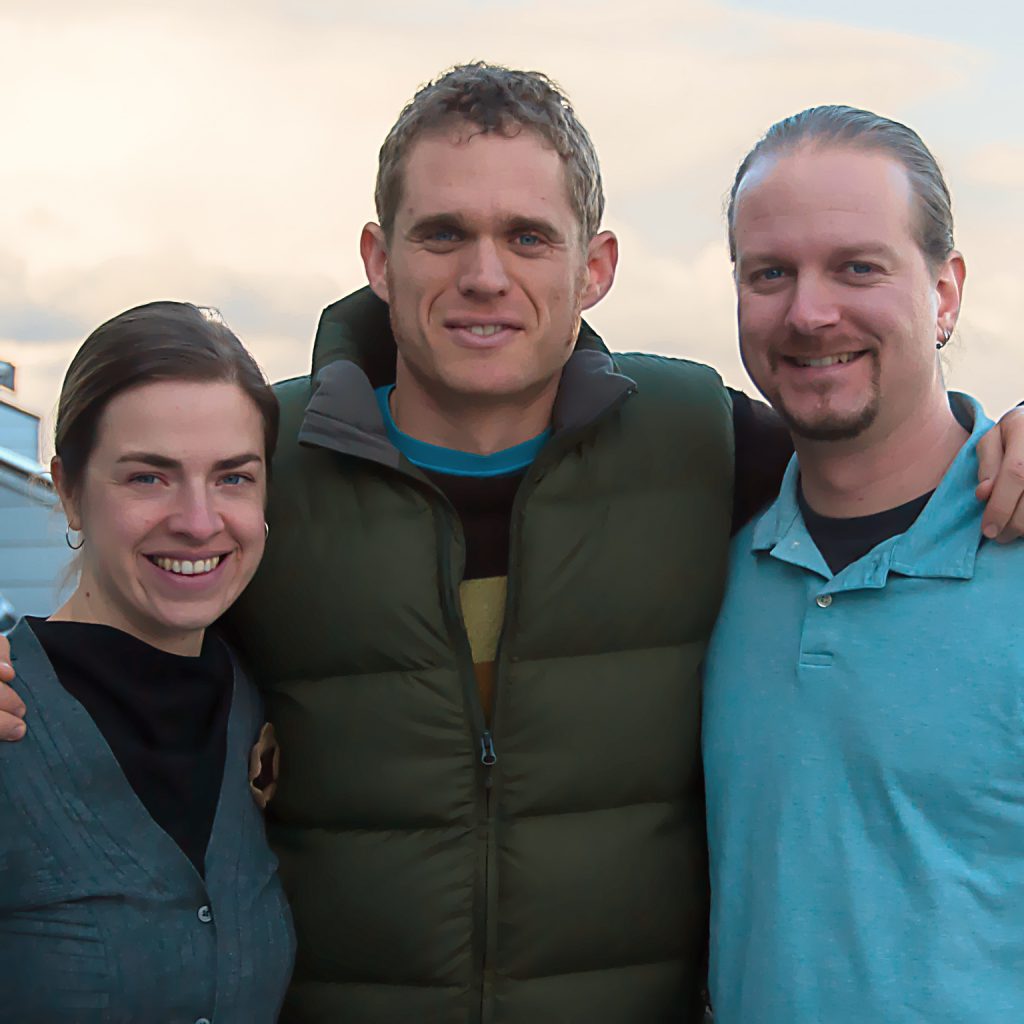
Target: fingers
[1004,513]
[263,766]
[12,713]
[990,457]
[12,707]
[1001,478]
[1014,528]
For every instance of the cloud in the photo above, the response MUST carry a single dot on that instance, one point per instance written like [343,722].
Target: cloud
[1000,164]
[225,153]
[29,322]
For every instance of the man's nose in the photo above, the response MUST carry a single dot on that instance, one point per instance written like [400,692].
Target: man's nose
[196,514]
[483,272]
[813,304]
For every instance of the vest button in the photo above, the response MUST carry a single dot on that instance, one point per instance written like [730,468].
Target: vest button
[204,914]
[823,600]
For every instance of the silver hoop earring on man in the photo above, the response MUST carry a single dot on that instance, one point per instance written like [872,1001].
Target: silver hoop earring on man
[67,538]
[946,335]
[266,529]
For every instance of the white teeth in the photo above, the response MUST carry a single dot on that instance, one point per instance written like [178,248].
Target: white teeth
[184,567]
[485,330]
[843,357]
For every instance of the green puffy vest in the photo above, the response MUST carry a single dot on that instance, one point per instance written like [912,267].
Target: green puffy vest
[551,870]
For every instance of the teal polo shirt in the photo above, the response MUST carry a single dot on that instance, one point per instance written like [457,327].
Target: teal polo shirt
[864,755]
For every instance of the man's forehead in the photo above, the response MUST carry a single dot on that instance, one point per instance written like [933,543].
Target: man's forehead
[816,171]
[823,180]
[467,173]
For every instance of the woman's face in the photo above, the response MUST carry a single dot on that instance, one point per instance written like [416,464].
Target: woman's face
[171,510]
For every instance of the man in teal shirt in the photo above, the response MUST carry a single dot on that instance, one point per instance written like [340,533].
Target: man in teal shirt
[864,703]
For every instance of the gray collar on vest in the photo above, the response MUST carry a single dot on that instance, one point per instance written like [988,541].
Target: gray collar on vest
[354,344]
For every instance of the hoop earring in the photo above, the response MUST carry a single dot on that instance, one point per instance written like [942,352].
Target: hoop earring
[67,539]
[946,335]
[266,529]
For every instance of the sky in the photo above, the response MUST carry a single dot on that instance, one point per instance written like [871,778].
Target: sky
[225,152]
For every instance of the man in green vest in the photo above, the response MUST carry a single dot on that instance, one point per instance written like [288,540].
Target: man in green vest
[496,553]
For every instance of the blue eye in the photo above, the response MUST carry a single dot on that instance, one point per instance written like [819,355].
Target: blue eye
[233,479]
[770,274]
[442,236]
[144,478]
[860,269]
[528,239]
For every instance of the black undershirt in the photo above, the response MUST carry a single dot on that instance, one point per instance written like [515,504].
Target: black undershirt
[842,541]
[164,717]
[484,507]
[763,450]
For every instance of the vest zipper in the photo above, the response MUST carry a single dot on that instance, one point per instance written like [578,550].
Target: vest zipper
[488,756]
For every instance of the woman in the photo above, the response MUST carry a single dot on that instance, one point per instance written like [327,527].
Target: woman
[135,879]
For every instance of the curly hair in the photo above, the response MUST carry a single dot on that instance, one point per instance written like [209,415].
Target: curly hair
[507,102]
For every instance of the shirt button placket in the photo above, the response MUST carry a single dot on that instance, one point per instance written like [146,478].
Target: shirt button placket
[205,914]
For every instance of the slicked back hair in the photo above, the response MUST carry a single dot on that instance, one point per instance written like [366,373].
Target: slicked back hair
[492,98]
[850,126]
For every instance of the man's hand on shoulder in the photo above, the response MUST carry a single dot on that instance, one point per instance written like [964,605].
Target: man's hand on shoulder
[1001,477]
[264,765]
[12,709]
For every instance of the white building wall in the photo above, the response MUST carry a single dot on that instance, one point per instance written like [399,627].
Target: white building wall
[19,431]
[33,552]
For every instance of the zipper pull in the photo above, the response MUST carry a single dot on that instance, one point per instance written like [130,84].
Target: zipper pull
[487,754]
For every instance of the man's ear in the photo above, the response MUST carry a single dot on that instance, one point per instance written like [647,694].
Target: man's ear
[602,259]
[374,250]
[68,503]
[949,289]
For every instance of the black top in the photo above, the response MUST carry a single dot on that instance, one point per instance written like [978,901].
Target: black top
[484,504]
[763,450]
[842,541]
[484,507]
[163,715]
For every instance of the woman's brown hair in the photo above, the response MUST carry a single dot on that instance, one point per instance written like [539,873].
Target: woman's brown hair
[155,342]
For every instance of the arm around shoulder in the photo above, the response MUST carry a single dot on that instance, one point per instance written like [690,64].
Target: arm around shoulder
[12,707]
[1001,477]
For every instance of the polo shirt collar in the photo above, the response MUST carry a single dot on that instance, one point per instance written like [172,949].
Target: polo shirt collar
[942,542]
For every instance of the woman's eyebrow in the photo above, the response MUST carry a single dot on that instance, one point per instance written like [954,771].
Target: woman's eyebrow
[165,462]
